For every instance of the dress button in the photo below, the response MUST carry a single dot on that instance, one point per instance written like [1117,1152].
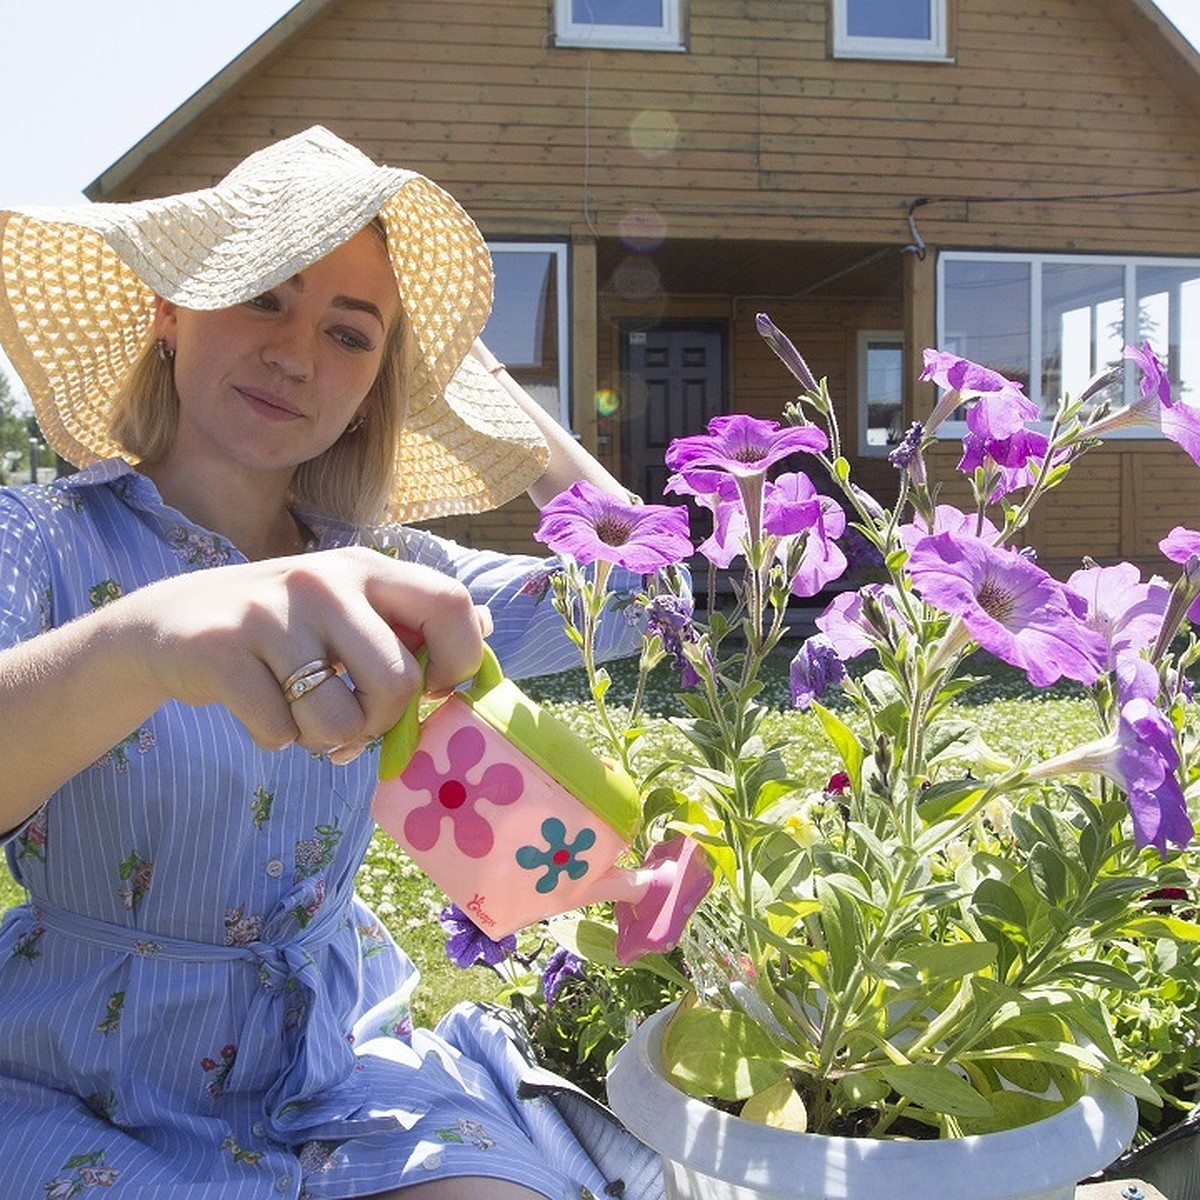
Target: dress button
[274,868]
[258,1129]
[431,1162]
[283,1183]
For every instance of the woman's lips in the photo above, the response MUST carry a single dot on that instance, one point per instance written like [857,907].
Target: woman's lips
[268,405]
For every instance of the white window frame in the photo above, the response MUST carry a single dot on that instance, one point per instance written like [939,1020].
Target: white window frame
[935,49]
[666,36]
[947,338]
[560,252]
[866,337]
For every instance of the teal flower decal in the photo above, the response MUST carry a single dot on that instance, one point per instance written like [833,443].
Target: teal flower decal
[559,857]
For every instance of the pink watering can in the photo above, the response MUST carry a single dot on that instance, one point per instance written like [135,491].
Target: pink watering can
[516,819]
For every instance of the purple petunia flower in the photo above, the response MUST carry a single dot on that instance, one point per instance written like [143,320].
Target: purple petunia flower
[1123,610]
[847,623]
[590,524]
[561,966]
[1010,606]
[670,617]
[742,445]
[947,519]
[814,670]
[1182,545]
[955,374]
[467,945]
[1140,756]
[1173,419]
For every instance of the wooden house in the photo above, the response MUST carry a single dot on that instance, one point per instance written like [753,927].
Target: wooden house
[1017,182]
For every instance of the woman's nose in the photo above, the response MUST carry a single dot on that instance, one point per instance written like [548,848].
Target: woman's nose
[289,349]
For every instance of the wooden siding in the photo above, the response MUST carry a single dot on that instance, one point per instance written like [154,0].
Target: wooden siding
[1052,128]
[754,132]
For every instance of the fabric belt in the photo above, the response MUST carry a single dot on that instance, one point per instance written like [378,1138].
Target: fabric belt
[320,1092]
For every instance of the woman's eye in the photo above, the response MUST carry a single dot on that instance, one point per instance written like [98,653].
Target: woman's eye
[265,301]
[353,340]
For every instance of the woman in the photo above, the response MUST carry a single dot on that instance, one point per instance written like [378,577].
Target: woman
[200,645]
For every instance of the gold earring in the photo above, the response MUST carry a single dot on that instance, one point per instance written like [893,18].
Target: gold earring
[163,350]
[356,424]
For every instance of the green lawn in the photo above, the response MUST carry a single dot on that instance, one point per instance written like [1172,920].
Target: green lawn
[1011,717]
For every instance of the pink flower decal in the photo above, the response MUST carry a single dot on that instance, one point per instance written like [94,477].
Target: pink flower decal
[452,794]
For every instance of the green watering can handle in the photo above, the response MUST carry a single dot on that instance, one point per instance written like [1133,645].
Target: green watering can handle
[400,742]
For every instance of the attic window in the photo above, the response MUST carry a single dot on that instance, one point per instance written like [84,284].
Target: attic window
[619,24]
[889,29]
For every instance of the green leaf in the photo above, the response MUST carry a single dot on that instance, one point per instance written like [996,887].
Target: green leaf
[840,926]
[1155,926]
[937,1089]
[708,1052]
[844,742]
[1094,970]
[997,904]
[1049,874]
[779,1106]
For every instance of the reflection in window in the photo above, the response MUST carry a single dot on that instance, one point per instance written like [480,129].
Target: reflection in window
[1072,316]
[889,28]
[646,24]
[880,391]
[527,329]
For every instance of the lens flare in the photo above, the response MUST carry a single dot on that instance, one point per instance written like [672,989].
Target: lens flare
[654,132]
[608,403]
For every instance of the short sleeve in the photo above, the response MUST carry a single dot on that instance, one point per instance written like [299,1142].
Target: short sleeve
[25,588]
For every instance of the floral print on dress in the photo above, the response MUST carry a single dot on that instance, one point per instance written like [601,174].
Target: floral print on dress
[31,841]
[260,807]
[451,794]
[316,853]
[470,1133]
[241,927]
[560,856]
[239,1154]
[26,946]
[87,1171]
[136,874]
[317,1157]
[199,549]
[217,1071]
[112,1016]
[104,592]
[372,939]
[305,911]
[141,740]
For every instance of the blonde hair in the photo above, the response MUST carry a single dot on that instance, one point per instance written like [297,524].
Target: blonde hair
[353,480]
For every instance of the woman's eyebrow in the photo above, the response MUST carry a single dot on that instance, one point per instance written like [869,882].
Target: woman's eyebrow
[352,303]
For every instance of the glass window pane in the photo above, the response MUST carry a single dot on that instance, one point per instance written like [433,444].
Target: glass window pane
[986,315]
[889,19]
[522,330]
[644,13]
[1169,319]
[884,392]
[1083,321]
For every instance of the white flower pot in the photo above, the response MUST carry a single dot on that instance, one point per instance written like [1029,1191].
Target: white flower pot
[710,1155]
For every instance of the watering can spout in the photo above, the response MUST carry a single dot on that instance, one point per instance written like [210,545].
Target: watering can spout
[654,901]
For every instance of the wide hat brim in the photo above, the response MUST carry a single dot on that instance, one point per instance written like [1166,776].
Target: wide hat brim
[77,288]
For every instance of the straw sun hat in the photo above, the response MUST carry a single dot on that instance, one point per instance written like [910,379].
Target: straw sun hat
[77,286]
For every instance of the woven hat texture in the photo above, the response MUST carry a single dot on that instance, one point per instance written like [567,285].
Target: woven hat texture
[77,287]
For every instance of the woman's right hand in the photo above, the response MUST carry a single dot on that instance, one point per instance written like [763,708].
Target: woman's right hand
[230,636]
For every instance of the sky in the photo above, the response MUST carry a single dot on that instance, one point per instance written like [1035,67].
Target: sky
[81,81]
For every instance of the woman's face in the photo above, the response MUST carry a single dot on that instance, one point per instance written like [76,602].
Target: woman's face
[274,382]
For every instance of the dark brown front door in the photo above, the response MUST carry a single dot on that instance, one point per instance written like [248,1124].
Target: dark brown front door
[674,384]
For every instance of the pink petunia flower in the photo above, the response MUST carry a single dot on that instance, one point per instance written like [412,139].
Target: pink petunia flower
[743,445]
[592,525]
[1123,610]
[1010,607]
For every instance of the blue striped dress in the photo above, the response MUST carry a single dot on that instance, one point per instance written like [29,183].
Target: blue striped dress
[194,1005]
